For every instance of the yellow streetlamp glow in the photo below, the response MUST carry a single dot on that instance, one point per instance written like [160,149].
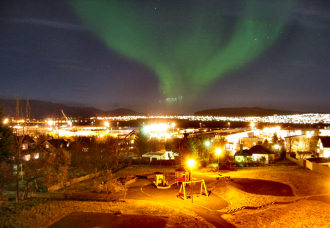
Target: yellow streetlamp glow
[191,163]
[218,151]
[207,143]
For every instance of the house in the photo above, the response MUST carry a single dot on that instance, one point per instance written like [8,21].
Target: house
[243,156]
[249,142]
[232,138]
[160,155]
[27,142]
[256,153]
[28,145]
[128,144]
[53,144]
[323,146]
[297,143]
[83,144]
[262,154]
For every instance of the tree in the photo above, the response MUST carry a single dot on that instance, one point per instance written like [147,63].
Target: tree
[275,138]
[46,167]
[141,143]
[7,153]
[55,168]
[7,141]
[199,149]
[90,155]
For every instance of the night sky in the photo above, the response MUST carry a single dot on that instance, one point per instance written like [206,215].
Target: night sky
[162,55]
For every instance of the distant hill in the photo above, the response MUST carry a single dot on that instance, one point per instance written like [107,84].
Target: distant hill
[122,112]
[45,109]
[244,111]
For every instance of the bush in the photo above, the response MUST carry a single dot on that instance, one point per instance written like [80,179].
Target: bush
[108,184]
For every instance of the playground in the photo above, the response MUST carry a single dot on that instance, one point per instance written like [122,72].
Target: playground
[246,197]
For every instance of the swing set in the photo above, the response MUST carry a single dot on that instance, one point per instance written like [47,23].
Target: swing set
[183,193]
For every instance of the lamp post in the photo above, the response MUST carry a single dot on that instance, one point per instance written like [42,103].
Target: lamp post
[191,163]
[218,152]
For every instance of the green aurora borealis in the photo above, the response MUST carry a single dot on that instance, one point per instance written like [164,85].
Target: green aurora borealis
[188,45]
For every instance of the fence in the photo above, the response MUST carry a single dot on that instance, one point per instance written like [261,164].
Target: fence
[300,162]
[316,167]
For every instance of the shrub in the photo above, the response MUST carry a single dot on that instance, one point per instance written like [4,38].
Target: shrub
[108,184]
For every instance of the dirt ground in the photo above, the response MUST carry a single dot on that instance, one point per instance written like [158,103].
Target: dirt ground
[85,220]
[308,207]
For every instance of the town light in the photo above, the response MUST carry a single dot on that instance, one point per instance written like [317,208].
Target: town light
[106,124]
[252,125]
[50,122]
[276,146]
[69,123]
[5,121]
[310,134]
[207,143]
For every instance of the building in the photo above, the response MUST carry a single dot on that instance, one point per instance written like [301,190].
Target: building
[262,154]
[160,155]
[258,154]
[323,146]
[244,156]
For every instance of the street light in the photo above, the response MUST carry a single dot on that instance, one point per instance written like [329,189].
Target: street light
[218,153]
[191,163]
[207,143]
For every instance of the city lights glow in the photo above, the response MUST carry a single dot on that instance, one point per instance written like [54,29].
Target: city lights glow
[106,124]
[158,130]
[50,122]
[309,118]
